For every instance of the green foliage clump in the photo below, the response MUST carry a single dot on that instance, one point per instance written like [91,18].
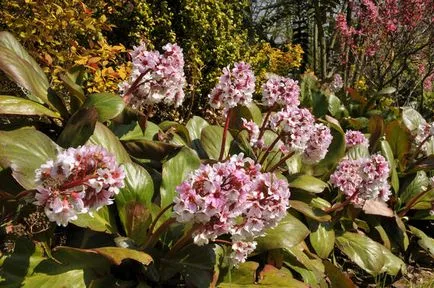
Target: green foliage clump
[63,33]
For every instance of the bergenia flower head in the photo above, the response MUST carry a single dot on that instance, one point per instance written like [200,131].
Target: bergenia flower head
[162,77]
[282,91]
[318,144]
[353,138]
[253,133]
[336,84]
[363,179]
[296,125]
[79,180]
[233,198]
[235,87]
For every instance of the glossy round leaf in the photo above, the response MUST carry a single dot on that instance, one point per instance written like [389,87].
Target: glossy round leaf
[25,150]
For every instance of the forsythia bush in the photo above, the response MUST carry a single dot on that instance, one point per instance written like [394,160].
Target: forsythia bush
[64,33]
[266,59]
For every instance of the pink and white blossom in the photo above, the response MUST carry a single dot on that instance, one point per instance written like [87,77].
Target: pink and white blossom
[282,91]
[318,144]
[296,127]
[235,87]
[162,79]
[232,198]
[79,180]
[363,179]
[354,138]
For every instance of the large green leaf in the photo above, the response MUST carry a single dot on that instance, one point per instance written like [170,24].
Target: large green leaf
[25,150]
[392,264]
[309,211]
[79,128]
[174,172]
[320,104]
[322,238]
[11,105]
[337,278]
[309,267]
[134,132]
[364,251]
[19,66]
[114,254]
[102,220]
[419,183]
[108,105]
[133,201]
[194,263]
[308,183]
[180,129]
[376,129]
[211,139]
[102,136]
[74,268]
[336,149]
[411,118]
[147,149]
[288,233]
[398,137]
[424,241]
[245,276]
[271,276]
[195,126]
[250,112]
[388,154]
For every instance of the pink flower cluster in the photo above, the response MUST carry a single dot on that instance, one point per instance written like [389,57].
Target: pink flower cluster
[253,132]
[234,198]
[282,91]
[79,180]
[235,87]
[161,77]
[336,84]
[295,125]
[318,144]
[363,179]
[354,138]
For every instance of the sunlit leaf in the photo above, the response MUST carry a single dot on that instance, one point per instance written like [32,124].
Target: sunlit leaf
[25,150]
[133,201]
[278,237]
[107,105]
[10,105]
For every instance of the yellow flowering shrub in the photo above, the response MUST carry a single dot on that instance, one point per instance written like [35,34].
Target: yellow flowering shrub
[62,33]
[266,59]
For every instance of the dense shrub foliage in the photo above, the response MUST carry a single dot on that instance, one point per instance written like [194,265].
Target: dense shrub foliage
[264,176]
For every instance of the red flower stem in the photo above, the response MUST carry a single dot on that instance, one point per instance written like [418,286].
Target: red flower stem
[134,86]
[225,132]
[154,237]
[341,205]
[271,160]
[222,242]
[77,182]
[413,202]
[183,240]
[151,228]
[265,155]
[264,123]
[281,162]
